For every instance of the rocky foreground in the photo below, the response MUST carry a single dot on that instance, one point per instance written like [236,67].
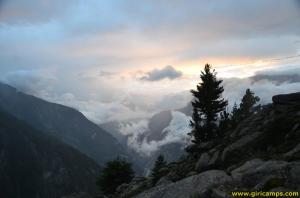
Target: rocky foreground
[261,154]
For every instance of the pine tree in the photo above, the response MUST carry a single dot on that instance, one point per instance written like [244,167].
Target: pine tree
[115,173]
[207,105]
[195,124]
[224,122]
[157,172]
[235,115]
[247,103]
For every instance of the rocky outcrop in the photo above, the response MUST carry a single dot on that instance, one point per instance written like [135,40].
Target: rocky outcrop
[197,184]
[137,185]
[293,98]
[261,154]
[253,175]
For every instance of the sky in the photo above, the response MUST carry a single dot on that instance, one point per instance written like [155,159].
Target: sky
[118,60]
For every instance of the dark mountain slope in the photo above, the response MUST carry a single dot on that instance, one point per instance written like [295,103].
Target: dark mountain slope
[33,164]
[157,124]
[66,124]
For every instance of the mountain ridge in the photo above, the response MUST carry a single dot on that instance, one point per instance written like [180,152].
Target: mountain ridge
[34,164]
[65,123]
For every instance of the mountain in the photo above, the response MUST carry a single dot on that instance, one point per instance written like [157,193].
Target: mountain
[157,123]
[65,123]
[34,164]
[261,154]
[154,130]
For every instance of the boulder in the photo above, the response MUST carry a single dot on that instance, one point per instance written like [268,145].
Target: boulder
[214,159]
[293,154]
[191,173]
[293,179]
[122,188]
[270,182]
[252,164]
[293,98]
[163,181]
[281,189]
[173,176]
[254,171]
[137,185]
[203,162]
[236,151]
[197,184]
[218,193]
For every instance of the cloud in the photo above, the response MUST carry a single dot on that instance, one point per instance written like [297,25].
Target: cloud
[176,132]
[118,35]
[35,82]
[106,73]
[32,11]
[265,84]
[93,45]
[277,79]
[160,74]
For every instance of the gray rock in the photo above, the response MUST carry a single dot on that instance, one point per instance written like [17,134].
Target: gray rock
[237,148]
[247,166]
[131,189]
[295,127]
[163,181]
[213,160]
[203,162]
[218,193]
[244,131]
[256,170]
[286,98]
[280,189]
[206,145]
[293,178]
[173,176]
[122,188]
[191,173]
[188,186]
[269,182]
[294,153]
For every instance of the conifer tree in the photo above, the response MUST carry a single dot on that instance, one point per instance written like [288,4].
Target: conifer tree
[156,172]
[235,115]
[247,103]
[115,173]
[224,122]
[207,105]
[195,124]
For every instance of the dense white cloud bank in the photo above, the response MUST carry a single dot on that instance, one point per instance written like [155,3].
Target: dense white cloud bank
[175,132]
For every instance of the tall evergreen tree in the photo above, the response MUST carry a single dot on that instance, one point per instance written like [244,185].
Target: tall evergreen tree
[224,122]
[156,172]
[207,105]
[195,124]
[247,103]
[235,115]
[115,173]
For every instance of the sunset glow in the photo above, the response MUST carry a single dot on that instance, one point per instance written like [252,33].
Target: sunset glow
[136,55]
